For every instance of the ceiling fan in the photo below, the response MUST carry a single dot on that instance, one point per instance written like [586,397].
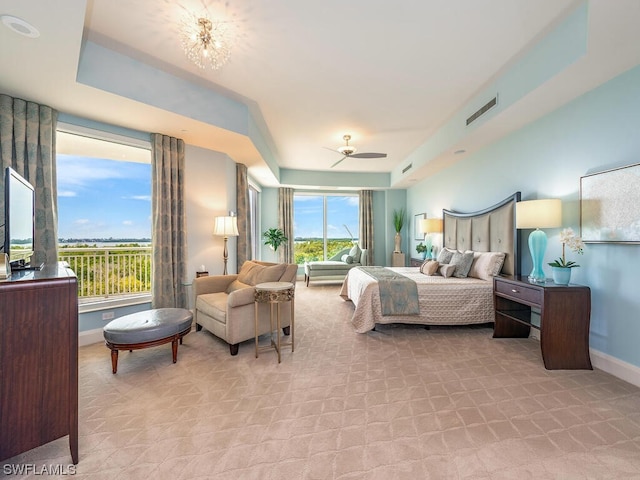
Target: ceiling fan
[350,151]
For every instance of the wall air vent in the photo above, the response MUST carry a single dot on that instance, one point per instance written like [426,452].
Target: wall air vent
[407,168]
[489,105]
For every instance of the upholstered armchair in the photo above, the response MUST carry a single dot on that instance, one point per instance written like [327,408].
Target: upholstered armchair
[224,303]
[337,266]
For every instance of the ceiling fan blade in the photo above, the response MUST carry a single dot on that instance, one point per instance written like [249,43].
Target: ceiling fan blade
[368,155]
[339,161]
[333,150]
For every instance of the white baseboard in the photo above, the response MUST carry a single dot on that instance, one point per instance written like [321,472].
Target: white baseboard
[612,365]
[89,337]
[616,367]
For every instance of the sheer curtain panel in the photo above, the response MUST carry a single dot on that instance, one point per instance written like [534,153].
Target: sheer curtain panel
[285,222]
[366,223]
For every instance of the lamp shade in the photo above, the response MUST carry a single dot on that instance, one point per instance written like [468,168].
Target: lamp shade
[545,213]
[226,226]
[431,225]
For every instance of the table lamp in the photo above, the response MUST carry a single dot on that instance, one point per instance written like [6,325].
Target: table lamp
[226,227]
[538,214]
[429,226]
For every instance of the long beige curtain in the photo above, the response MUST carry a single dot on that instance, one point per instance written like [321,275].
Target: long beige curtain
[28,145]
[285,222]
[366,223]
[168,219]
[244,215]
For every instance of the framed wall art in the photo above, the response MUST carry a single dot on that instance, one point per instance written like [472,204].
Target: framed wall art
[417,227]
[610,206]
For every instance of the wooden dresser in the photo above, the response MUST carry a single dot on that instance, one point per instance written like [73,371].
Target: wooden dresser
[38,360]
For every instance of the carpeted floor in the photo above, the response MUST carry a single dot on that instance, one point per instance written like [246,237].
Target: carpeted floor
[402,402]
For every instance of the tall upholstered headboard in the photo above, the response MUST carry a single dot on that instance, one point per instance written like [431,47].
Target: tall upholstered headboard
[490,230]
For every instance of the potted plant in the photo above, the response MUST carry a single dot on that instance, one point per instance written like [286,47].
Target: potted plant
[398,223]
[274,237]
[561,268]
[422,249]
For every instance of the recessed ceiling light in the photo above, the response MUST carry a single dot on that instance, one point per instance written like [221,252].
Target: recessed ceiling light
[20,26]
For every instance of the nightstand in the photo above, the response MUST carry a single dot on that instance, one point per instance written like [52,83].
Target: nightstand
[565,312]
[415,262]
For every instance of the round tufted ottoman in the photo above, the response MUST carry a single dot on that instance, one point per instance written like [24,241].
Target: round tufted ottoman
[147,329]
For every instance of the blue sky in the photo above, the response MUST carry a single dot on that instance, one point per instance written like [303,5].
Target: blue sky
[341,210]
[100,198]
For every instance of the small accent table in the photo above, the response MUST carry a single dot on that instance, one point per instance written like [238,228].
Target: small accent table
[565,312]
[274,293]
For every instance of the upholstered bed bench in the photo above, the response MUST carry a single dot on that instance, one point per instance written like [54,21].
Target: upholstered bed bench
[147,329]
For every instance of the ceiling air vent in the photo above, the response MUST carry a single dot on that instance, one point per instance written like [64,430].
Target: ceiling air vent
[490,104]
[407,168]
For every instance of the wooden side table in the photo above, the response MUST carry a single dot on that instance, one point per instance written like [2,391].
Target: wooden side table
[274,293]
[565,312]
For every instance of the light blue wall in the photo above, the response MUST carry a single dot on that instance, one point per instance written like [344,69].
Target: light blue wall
[546,159]
[93,320]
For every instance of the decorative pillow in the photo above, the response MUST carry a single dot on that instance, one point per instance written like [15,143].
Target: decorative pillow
[355,253]
[486,265]
[271,273]
[346,258]
[446,270]
[249,272]
[429,267]
[463,262]
[445,255]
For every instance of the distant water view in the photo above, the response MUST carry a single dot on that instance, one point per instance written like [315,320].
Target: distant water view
[103,242]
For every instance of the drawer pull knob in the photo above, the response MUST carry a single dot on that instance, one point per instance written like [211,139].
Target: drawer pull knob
[514,290]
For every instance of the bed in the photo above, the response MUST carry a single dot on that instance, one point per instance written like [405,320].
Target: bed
[445,300]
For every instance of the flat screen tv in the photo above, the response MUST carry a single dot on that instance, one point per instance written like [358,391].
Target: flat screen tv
[19,221]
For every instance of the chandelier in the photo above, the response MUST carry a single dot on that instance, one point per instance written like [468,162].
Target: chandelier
[206,42]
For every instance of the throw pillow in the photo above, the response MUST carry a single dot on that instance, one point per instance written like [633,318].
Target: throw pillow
[463,262]
[355,252]
[347,258]
[246,274]
[445,255]
[271,274]
[486,265]
[429,267]
[446,270]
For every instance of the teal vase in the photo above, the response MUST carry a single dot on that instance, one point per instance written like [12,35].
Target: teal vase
[561,275]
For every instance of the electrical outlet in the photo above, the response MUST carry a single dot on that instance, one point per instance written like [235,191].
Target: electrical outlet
[107,316]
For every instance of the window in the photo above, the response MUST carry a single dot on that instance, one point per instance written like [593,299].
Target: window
[323,225]
[104,214]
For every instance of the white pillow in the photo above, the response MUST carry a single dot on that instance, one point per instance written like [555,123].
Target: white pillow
[486,265]
[347,258]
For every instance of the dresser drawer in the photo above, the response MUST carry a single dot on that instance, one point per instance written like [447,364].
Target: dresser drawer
[519,292]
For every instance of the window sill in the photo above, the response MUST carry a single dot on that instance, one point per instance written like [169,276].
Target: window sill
[97,304]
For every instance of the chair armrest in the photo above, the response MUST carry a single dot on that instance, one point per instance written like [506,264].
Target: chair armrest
[243,296]
[212,284]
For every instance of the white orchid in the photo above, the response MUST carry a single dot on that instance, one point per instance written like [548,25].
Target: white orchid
[569,239]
